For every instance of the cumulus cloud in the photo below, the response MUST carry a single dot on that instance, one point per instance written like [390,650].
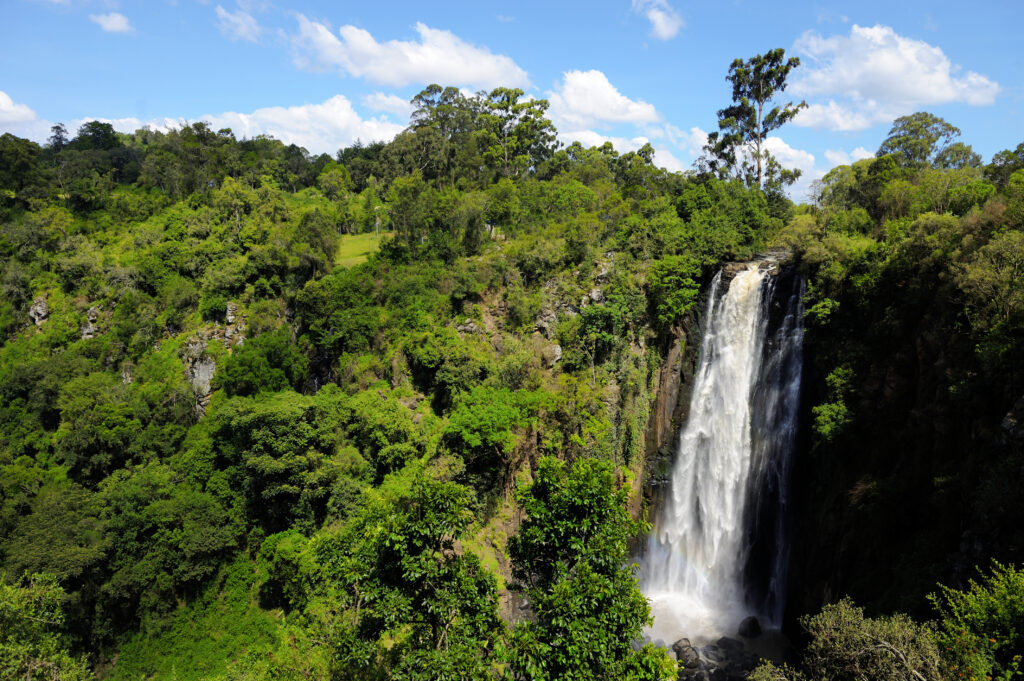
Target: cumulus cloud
[438,56]
[592,138]
[12,113]
[838,157]
[665,21]
[392,104]
[320,128]
[112,22]
[584,98]
[691,141]
[663,158]
[874,75]
[239,25]
[790,157]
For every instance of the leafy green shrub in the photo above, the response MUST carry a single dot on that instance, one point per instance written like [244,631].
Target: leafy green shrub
[269,362]
[213,308]
[981,632]
[31,616]
[569,557]
[673,283]
[847,646]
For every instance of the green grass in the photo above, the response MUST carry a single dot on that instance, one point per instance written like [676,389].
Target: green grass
[355,248]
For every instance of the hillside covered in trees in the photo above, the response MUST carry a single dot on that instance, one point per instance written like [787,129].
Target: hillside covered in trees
[230,450]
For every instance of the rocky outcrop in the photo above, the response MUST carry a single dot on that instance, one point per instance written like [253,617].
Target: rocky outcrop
[199,370]
[550,355]
[749,627]
[1012,425]
[724,660]
[39,312]
[90,328]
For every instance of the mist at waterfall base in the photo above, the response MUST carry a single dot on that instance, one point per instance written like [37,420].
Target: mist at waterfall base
[718,550]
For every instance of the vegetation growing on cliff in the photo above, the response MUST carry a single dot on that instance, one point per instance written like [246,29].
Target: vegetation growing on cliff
[227,450]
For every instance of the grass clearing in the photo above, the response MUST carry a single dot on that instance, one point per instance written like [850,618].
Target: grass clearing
[355,248]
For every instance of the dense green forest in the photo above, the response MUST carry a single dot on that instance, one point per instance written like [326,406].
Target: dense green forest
[231,450]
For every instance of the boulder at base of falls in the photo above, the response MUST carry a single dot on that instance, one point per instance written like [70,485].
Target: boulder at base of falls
[749,627]
[724,660]
[686,653]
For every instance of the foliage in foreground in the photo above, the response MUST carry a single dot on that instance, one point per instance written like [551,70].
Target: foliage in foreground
[570,560]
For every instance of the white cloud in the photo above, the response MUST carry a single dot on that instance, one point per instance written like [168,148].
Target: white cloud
[393,104]
[590,138]
[584,98]
[861,153]
[838,157]
[12,114]
[112,22]
[665,159]
[437,57]
[238,25]
[874,75]
[665,21]
[691,141]
[788,156]
[320,128]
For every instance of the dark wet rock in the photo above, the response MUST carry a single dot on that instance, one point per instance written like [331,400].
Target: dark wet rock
[749,628]
[686,653]
[729,644]
[680,644]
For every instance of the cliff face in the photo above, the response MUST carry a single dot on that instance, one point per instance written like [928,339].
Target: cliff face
[919,482]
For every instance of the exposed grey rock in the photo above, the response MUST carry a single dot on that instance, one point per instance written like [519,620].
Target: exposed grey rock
[596,295]
[551,354]
[468,326]
[749,627]
[90,328]
[39,311]
[545,322]
[230,313]
[686,653]
[199,370]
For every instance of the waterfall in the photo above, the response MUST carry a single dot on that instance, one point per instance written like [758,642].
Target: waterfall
[718,550]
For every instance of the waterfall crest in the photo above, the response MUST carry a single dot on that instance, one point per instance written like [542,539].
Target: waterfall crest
[718,551]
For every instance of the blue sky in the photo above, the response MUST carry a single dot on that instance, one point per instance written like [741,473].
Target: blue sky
[322,74]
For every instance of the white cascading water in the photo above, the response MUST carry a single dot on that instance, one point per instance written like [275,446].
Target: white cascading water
[703,539]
